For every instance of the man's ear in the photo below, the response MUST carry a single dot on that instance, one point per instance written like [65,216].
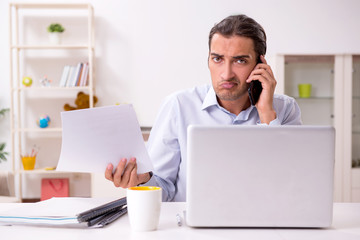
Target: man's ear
[208,59]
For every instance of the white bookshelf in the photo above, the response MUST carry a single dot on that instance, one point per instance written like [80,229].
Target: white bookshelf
[22,128]
[334,101]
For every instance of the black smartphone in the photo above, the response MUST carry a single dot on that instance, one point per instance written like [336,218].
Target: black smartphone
[255,89]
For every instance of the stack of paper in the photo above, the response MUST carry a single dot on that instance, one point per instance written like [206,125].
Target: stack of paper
[76,212]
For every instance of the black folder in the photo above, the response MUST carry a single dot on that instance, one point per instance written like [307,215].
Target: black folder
[95,215]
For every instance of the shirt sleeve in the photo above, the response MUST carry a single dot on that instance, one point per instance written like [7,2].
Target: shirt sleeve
[291,114]
[287,113]
[164,149]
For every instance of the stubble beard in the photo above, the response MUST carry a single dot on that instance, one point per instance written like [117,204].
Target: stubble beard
[232,94]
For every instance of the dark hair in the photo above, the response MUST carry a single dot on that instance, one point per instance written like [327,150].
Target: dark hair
[244,26]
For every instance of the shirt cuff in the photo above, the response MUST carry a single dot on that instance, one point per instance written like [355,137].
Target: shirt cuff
[151,182]
[275,122]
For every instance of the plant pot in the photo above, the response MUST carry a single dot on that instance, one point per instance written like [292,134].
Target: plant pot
[55,38]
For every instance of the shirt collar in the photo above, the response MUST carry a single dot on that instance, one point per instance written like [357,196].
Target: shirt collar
[211,100]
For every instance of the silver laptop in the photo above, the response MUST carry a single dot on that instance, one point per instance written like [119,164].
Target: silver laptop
[260,176]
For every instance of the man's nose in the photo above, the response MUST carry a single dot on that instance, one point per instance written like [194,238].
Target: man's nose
[227,72]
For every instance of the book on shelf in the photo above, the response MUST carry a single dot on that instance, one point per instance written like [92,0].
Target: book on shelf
[84,75]
[66,211]
[64,76]
[80,74]
[75,75]
[70,76]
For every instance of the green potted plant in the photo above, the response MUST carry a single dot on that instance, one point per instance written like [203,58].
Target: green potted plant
[2,152]
[3,145]
[55,30]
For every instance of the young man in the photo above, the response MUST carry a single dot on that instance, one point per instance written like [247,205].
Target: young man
[237,46]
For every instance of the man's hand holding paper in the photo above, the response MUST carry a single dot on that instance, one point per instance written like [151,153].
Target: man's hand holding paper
[125,174]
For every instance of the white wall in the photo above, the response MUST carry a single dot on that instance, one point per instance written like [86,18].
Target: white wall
[147,49]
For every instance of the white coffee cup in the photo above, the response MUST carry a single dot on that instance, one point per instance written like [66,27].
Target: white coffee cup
[144,205]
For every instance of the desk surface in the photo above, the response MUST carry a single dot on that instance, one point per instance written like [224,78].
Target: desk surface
[346,226]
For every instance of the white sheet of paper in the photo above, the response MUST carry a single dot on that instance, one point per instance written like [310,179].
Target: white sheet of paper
[93,138]
[54,211]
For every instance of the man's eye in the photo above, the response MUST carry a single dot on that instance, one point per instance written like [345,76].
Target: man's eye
[241,61]
[216,59]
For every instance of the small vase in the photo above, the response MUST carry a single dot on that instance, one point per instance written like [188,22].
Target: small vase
[55,38]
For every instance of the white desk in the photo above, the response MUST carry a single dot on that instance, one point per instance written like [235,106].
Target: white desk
[346,226]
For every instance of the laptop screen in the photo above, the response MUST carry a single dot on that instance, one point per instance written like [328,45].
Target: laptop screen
[260,176]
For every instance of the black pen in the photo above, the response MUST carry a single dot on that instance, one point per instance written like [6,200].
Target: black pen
[112,217]
[101,210]
[93,221]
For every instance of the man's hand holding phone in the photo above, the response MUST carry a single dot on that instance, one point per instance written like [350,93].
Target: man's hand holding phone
[263,73]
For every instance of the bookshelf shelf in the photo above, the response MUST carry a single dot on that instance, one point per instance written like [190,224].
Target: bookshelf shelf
[39,130]
[60,47]
[50,6]
[30,89]
[314,98]
[40,171]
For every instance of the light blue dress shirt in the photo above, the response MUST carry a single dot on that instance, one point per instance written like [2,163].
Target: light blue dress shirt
[168,137]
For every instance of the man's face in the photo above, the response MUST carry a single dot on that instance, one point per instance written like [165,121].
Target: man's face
[231,61]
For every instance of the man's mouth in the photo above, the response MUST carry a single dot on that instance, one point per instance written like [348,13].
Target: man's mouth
[228,85]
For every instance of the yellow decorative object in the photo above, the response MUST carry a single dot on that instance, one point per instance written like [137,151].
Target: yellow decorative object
[27,81]
[28,162]
[304,90]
